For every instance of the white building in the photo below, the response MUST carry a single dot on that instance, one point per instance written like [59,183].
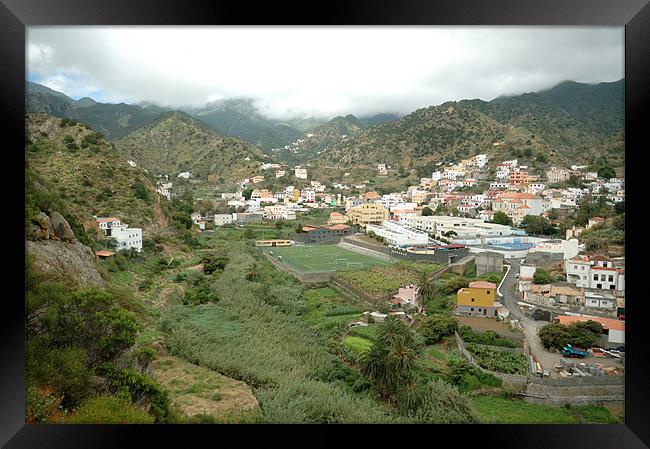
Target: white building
[185,174]
[481,160]
[398,234]
[600,299]
[125,238]
[165,189]
[300,173]
[222,219]
[594,272]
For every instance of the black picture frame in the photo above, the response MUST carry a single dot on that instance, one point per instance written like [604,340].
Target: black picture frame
[15,15]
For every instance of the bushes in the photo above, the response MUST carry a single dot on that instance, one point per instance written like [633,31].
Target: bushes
[437,402]
[63,370]
[110,410]
[468,378]
[141,192]
[582,334]
[499,360]
[435,327]
[91,139]
[199,291]
[542,276]
[488,338]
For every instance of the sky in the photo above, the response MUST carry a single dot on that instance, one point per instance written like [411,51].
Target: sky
[318,71]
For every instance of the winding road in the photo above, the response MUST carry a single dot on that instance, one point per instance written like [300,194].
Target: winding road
[509,298]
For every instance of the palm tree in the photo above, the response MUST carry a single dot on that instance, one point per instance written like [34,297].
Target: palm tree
[390,363]
[426,287]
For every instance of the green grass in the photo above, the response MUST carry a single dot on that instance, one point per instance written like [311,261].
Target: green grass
[357,344]
[322,310]
[501,410]
[368,332]
[322,258]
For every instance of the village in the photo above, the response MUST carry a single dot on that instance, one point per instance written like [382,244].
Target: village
[442,223]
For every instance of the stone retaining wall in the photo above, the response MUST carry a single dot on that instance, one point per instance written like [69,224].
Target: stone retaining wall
[512,380]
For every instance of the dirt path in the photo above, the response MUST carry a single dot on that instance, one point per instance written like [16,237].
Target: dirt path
[195,390]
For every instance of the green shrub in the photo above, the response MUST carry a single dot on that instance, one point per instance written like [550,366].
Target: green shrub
[110,410]
[435,327]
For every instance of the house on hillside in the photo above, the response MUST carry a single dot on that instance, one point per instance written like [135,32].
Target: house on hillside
[124,237]
[477,300]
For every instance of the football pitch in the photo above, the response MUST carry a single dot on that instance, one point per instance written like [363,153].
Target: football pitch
[322,258]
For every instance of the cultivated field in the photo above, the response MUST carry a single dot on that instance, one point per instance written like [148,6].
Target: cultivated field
[322,258]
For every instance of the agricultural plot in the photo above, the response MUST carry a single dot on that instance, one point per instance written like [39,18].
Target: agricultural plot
[322,258]
[380,280]
[499,360]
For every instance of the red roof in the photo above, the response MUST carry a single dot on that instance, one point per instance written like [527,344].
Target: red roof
[482,284]
[104,220]
[309,228]
[608,323]
[338,227]
[104,253]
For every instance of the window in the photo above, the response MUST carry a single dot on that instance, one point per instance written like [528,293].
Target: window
[611,278]
[603,277]
[471,309]
[595,277]
[582,268]
[472,299]
[488,292]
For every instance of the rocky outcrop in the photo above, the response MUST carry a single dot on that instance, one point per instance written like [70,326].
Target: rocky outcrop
[42,227]
[64,260]
[61,227]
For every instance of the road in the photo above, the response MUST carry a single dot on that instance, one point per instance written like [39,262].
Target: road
[509,298]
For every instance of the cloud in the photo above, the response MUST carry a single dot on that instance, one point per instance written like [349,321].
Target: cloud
[320,71]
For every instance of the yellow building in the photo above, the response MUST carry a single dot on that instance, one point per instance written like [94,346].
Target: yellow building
[365,214]
[477,299]
[296,195]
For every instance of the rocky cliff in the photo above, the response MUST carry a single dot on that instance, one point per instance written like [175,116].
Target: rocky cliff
[55,251]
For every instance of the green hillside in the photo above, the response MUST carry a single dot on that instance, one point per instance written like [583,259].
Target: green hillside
[571,123]
[74,169]
[176,142]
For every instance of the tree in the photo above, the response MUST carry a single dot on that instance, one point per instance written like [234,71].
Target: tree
[390,363]
[606,172]
[141,191]
[435,327]
[538,225]
[501,218]
[582,334]
[247,193]
[542,276]
[426,287]
[426,212]
[182,219]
